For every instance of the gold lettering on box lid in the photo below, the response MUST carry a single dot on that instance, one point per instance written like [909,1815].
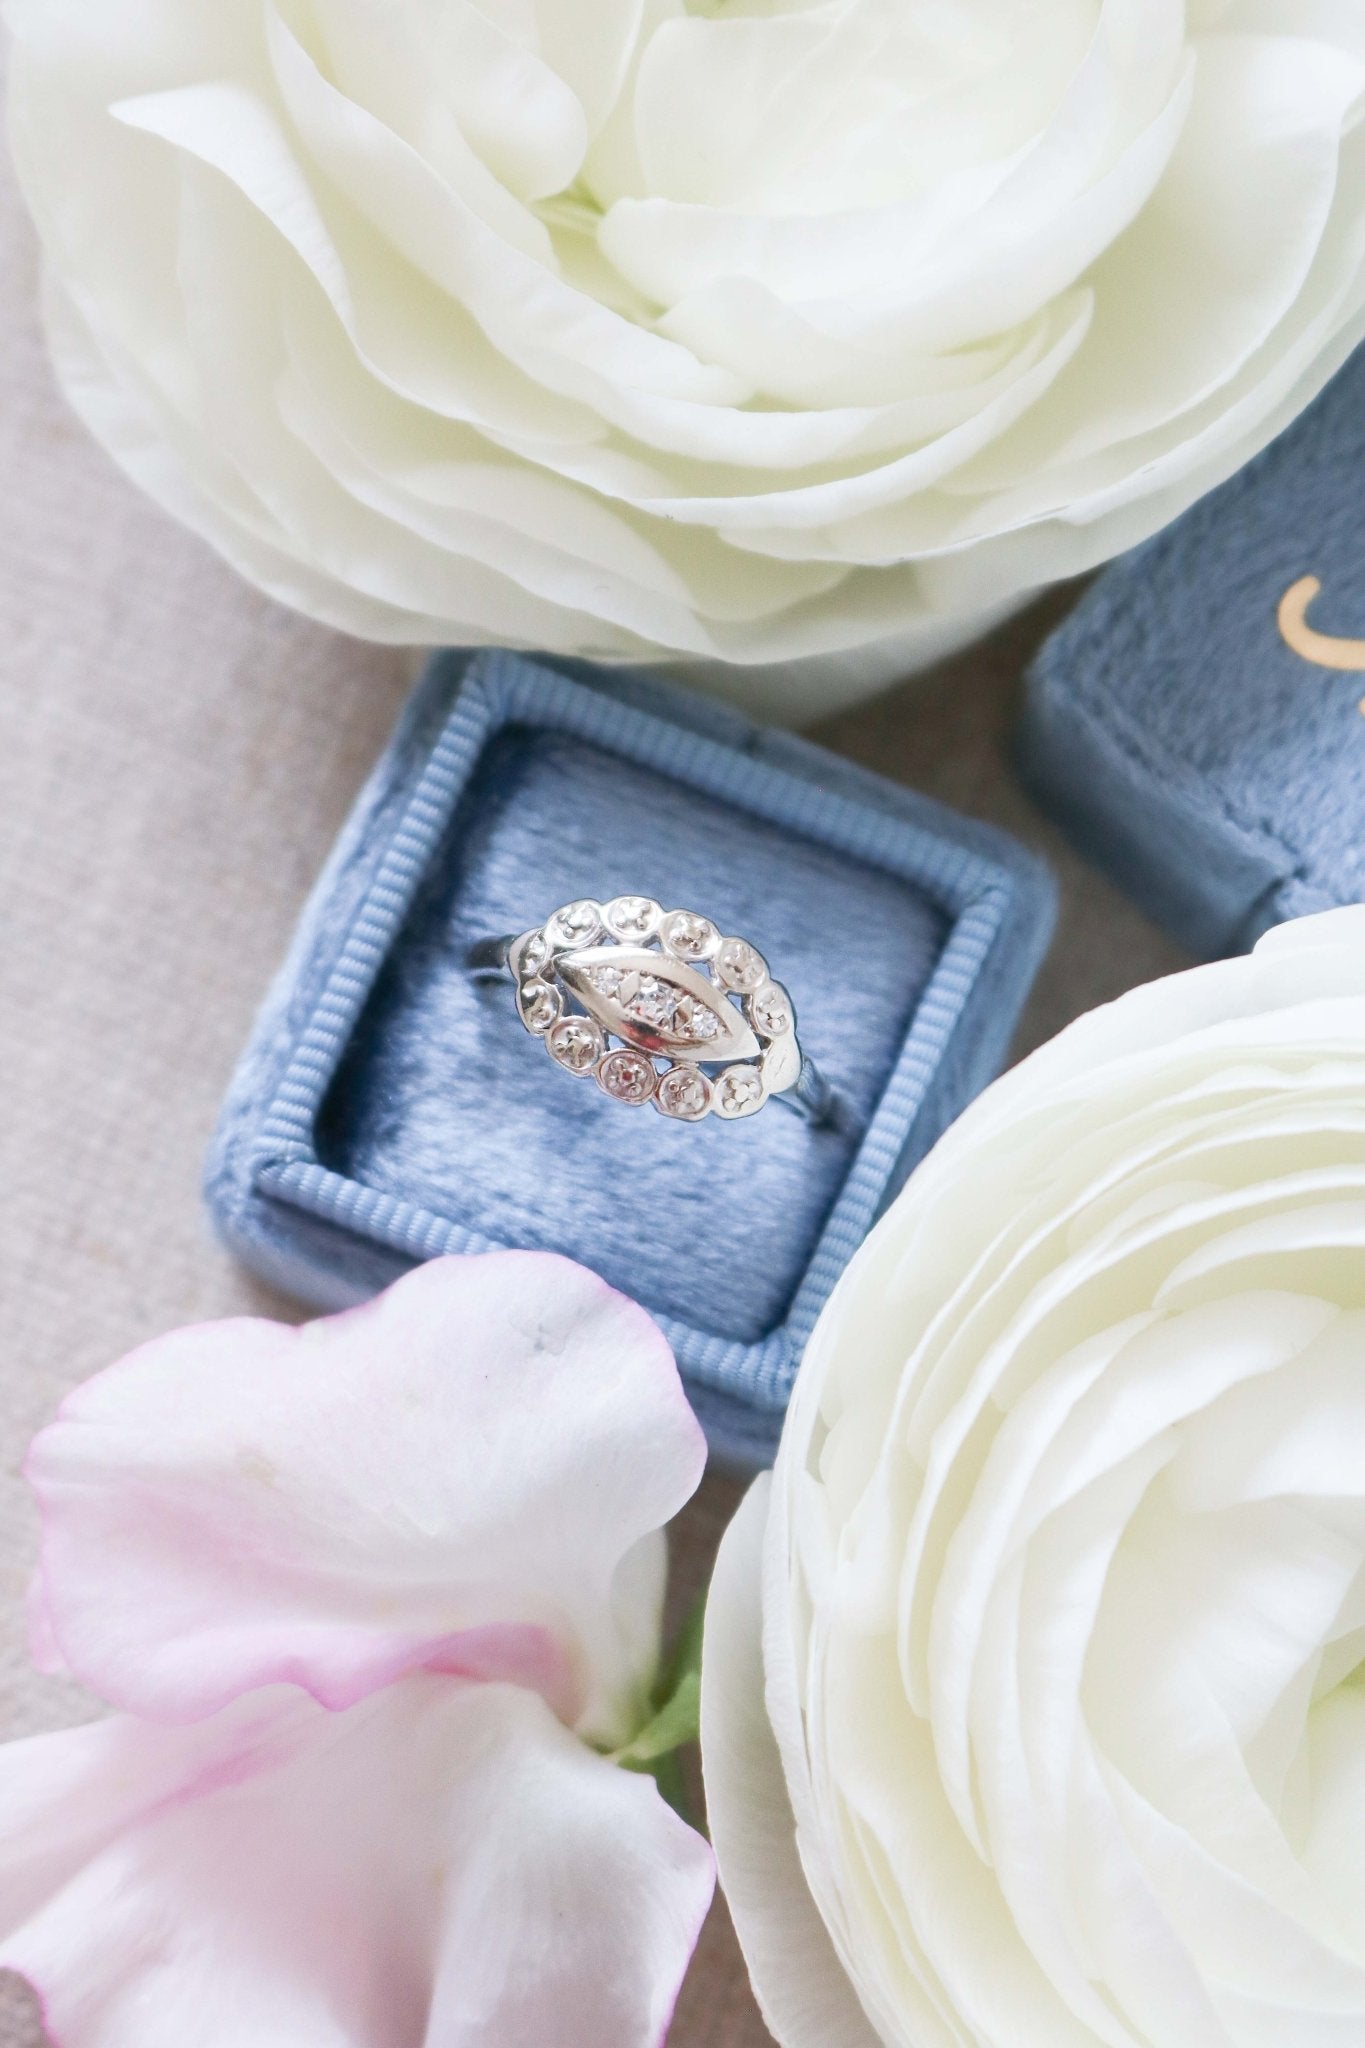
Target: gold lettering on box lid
[1324,650]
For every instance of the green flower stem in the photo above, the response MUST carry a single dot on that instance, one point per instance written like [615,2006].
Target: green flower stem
[674,1719]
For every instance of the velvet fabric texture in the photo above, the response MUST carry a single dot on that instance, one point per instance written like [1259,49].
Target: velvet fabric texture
[390,1107]
[1177,729]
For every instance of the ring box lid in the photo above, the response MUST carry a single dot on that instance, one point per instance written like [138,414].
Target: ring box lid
[1196,723]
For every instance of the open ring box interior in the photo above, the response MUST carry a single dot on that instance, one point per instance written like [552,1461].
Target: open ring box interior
[390,1107]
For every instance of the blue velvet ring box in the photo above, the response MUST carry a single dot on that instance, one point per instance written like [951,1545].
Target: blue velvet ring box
[1196,723]
[389,1108]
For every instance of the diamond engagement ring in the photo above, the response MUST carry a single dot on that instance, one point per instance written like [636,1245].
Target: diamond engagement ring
[659,1006]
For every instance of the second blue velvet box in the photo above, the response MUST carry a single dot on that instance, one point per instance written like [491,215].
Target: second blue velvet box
[389,1108]
[1196,724]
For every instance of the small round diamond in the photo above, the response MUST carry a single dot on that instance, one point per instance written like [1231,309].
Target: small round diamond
[741,966]
[575,924]
[633,917]
[653,1002]
[539,1005]
[689,937]
[627,1076]
[770,1011]
[684,1092]
[693,1022]
[576,1043]
[739,1091]
[606,980]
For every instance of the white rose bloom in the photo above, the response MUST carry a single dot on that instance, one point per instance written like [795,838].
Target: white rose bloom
[734,332]
[1056,1734]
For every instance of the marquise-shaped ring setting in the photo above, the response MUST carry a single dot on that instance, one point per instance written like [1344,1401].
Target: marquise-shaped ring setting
[658,1006]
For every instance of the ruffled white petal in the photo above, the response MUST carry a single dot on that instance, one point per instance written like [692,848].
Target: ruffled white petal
[803,335]
[1064,1564]
[806,1998]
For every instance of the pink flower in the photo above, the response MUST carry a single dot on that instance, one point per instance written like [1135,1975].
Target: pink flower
[376,1599]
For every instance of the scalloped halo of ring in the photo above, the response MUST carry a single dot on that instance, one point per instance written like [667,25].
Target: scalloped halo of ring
[657,1006]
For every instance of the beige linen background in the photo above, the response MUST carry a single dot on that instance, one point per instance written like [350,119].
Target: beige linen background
[175,756]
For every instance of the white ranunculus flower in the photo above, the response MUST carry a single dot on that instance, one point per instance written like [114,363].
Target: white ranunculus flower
[1056,1733]
[727,331]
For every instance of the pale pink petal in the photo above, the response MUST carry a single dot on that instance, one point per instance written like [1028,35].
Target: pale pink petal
[443,1864]
[43,1646]
[468,1474]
